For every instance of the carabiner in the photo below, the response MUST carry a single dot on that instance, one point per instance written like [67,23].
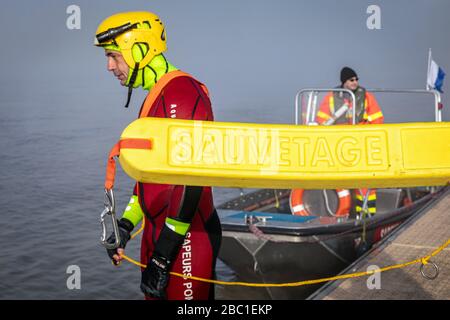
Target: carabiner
[110,209]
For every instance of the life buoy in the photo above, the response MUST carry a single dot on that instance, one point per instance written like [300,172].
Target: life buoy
[298,208]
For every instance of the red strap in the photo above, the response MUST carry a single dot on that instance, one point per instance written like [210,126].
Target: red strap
[130,143]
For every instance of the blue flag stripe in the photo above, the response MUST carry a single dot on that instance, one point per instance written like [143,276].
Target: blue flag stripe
[439,80]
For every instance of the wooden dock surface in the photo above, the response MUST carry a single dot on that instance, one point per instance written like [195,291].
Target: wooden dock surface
[417,238]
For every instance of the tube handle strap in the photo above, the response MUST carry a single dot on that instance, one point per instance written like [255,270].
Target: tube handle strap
[129,143]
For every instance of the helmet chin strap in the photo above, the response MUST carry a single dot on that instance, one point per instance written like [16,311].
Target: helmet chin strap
[131,83]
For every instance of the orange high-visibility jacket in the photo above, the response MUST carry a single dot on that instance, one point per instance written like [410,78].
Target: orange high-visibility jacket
[372,112]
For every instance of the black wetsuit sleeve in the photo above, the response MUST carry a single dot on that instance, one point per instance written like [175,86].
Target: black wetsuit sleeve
[189,203]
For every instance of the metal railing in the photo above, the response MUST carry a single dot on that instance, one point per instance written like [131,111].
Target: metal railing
[313,93]
[312,103]
[435,93]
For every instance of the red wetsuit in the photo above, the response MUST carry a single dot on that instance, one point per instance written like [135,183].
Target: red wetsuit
[183,98]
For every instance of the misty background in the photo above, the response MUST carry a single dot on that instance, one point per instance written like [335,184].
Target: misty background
[61,111]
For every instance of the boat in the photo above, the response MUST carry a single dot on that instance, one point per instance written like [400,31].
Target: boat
[263,242]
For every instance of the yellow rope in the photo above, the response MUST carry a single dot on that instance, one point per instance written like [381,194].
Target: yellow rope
[423,260]
[140,229]
[133,261]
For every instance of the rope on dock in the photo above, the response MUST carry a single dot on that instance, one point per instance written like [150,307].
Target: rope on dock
[423,260]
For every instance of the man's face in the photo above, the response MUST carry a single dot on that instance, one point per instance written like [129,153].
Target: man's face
[351,84]
[116,64]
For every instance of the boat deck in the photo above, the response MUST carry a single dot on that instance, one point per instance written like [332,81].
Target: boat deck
[417,238]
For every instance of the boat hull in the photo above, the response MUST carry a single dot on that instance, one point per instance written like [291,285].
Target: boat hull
[293,251]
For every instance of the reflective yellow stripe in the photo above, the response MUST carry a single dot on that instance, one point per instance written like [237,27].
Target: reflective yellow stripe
[323,115]
[331,104]
[372,197]
[133,211]
[365,116]
[370,209]
[375,116]
[178,226]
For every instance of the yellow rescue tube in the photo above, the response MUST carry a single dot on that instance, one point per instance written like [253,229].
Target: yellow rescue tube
[204,153]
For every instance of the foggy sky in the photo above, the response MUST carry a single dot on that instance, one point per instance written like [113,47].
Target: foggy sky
[253,55]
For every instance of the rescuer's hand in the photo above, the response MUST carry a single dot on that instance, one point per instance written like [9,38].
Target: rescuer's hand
[125,228]
[155,277]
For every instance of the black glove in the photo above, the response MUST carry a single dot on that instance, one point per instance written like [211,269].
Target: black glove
[125,228]
[155,277]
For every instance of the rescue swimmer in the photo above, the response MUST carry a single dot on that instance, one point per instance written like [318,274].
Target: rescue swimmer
[182,230]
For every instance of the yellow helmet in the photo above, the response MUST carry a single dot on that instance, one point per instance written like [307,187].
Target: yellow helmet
[123,31]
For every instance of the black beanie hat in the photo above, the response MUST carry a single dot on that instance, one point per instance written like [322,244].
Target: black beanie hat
[347,73]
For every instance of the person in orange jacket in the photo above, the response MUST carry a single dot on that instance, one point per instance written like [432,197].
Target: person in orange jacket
[367,108]
[367,112]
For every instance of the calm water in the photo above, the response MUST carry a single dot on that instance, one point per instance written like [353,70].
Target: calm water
[54,149]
